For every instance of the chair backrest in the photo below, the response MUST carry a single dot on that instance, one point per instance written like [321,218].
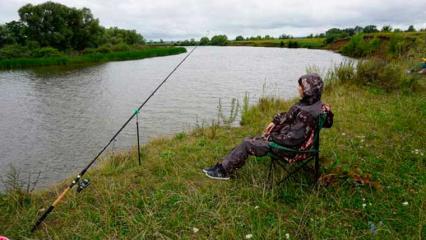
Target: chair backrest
[318,126]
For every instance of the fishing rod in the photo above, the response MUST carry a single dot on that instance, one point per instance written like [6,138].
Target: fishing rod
[82,184]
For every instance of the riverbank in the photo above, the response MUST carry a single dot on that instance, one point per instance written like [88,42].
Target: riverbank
[373,178]
[314,43]
[18,63]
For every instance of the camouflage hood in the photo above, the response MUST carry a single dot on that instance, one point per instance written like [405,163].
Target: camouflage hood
[312,85]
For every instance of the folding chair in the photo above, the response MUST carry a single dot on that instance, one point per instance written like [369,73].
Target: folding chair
[301,157]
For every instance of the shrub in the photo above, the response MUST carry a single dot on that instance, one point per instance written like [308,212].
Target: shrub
[374,72]
[89,50]
[368,71]
[120,47]
[46,52]
[293,44]
[14,51]
[358,47]
[106,48]
[399,45]
[379,73]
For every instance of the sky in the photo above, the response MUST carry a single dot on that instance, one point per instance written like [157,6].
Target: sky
[185,19]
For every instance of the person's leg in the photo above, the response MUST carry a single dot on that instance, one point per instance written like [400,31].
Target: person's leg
[238,156]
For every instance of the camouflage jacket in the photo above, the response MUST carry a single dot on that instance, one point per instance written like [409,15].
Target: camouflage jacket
[295,127]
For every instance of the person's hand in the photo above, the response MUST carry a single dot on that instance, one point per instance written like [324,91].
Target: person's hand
[268,129]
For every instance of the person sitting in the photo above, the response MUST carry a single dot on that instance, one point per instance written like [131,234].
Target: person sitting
[291,129]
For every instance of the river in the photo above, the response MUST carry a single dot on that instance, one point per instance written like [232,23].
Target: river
[54,120]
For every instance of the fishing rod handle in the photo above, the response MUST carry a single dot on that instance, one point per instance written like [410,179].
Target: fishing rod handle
[50,209]
[41,219]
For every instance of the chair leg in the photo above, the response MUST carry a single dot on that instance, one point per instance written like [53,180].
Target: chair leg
[271,174]
[317,167]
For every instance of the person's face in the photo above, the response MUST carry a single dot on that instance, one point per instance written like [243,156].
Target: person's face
[300,90]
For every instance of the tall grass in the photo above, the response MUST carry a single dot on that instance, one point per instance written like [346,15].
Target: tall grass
[378,73]
[90,58]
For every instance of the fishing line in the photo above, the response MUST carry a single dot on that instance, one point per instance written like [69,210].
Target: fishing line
[84,183]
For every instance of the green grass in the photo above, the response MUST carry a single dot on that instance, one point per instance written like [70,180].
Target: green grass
[302,42]
[90,58]
[378,136]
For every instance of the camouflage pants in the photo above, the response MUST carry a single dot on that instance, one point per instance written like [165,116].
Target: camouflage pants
[250,146]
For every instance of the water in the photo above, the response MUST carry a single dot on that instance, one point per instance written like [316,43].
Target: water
[55,120]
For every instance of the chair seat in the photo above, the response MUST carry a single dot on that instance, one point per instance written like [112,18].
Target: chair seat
[300,155]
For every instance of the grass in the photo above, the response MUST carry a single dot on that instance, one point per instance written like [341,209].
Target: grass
[372,163]
[90,58]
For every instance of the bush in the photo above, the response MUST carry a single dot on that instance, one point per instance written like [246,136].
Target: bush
[379,73]
[358,47]
[399,45]
[120,47]
[106,48]
[293,44]
[89,50]
[374,72]
[14,51]
[46,52]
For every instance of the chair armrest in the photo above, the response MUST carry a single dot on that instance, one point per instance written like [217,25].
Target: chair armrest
[286,149]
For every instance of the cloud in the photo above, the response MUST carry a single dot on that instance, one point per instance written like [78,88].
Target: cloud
[170,20]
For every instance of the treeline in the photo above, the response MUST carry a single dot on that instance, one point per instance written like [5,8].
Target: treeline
[331,35]
[217,40]
[334,34]
[50,29]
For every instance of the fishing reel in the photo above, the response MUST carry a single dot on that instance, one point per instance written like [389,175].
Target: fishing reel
[82,184]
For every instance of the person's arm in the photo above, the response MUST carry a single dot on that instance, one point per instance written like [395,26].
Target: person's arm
[284,117]
[279,120]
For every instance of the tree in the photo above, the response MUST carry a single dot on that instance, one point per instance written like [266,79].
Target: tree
[334,34]
[358,29]
[370,29]
[239,38]
[349,31]
[284,36]
[204,41]
[116,35]
[411,29]
[17,32]
[54,24]
[386,28]
[219,40]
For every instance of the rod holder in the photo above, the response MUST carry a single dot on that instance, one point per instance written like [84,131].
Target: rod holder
[136,112]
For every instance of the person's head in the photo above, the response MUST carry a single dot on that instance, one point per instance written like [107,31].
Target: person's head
[310,88]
